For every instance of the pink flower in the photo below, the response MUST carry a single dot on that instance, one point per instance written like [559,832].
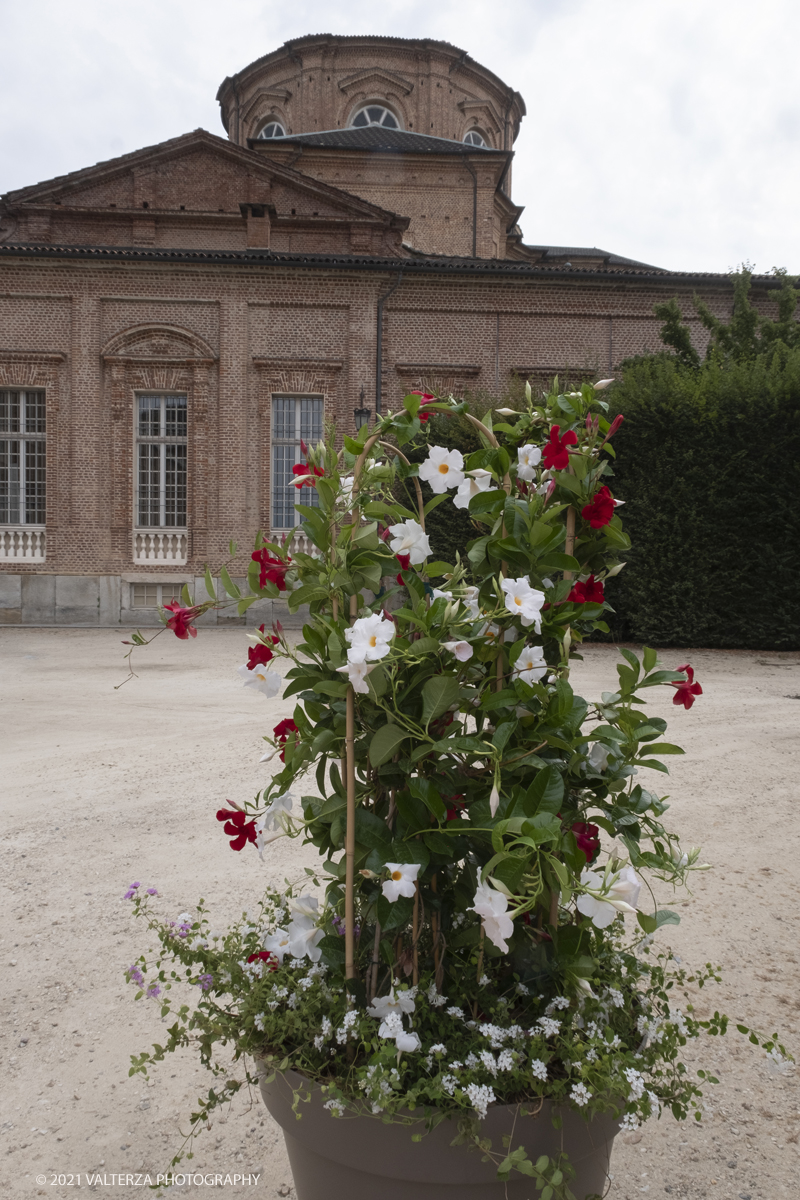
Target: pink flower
[180,621]
[238,828]
[588,592]
[556,454]
[686,692]
[601,509]
[615,424]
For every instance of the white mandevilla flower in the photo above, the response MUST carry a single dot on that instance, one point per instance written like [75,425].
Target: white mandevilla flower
[357,673]
[529,458]
[401,881]
[407,1042]
[491,906]
[410,538]
[442,469]
[304,933]
[530,665]
[273,816]
[524,601]
[598,756]
[507,412]
[494,800]
[481,481]
[602,384]
[345,496]
[369,639]
[394,1002]
[278,944]
[608,895]
[470,599]
[462,650]
[262,679]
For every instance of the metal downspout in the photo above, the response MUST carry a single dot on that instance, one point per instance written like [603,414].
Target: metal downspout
[379,344]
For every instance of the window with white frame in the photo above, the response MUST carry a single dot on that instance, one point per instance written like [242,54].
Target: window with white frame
[294,418]
[154,595]
[375,114]
[161,461]
[23,451]
[272,130]
[473,138]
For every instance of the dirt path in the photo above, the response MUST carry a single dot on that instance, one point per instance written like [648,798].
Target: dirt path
[101,787]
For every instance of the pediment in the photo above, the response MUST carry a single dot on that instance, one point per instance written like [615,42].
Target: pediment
[148,343]
[481,109]
[197,176]
[263,99]
[376,78]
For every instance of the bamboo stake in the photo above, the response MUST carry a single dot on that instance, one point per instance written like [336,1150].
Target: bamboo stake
[350,829]
[415,935]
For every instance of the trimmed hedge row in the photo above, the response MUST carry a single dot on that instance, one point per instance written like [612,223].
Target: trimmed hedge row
[709,467]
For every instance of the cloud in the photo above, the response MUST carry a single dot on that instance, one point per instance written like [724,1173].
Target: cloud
[666,132]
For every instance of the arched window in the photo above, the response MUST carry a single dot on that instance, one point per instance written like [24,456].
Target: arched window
[375,114]
[273,129]
[473,138]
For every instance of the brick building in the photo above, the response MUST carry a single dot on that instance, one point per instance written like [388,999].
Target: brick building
[174,320]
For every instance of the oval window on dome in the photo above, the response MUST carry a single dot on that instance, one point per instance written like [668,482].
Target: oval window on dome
[473,138]
[274,129]
[375,114]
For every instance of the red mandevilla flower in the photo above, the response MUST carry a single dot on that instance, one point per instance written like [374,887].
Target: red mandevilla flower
[685,692]
[425,398]
[265,957]
[237,827]
[282,731]
[272,569]
[260,655]
[601,509]
[555,455]
[405,565]
[180,622]
[587,837]
[590,591]
[613,427]
[308,474]
[455,806]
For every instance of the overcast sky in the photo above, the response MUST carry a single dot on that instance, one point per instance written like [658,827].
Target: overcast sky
[664,131]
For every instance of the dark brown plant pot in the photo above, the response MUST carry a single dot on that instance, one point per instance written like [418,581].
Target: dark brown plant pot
[362,1158]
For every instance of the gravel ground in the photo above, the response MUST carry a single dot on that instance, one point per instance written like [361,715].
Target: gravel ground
[102,787]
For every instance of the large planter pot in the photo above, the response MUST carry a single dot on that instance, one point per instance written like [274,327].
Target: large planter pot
[362,1158]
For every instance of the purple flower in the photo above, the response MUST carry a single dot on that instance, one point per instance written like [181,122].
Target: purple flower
[153,991]
[134,975]
[204,982]
[131,892]
[339,926]
[152,892]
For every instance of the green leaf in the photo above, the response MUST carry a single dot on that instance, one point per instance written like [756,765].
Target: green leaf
[385,743]
[371,831]
[425,791]
[438,694]
[210,585]
[439,568]
[330,688]
[228,584]
[545,793]
[650,658]
[661,748]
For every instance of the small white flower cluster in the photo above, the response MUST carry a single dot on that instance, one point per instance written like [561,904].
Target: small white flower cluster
[343,1032]
[435,998]
[538,1069]
[259,1022]
[489,1061]
[327,1029]
[556,1003]
[635,1083]
[334,1106]
[480,1097]
[629,1123]
[449,1083]
[616,997]
[548,1026]
[454,1011]
[580,1095]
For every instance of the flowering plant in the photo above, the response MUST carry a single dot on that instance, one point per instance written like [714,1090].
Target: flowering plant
[477,931]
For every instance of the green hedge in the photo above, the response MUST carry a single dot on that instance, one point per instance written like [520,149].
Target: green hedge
[709,468]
